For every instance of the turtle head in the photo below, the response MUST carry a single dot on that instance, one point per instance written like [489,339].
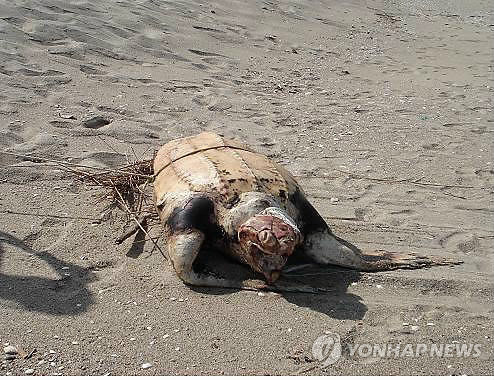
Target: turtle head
[266,242]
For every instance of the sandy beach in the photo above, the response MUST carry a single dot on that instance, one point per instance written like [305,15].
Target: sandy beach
[381,109]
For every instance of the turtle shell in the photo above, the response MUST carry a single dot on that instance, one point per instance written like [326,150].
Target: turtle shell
[222,168]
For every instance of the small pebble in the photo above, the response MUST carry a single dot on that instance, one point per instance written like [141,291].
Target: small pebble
[430,324]
[41,362]
[414,328]
[10,350]
[379,286]
[260,294]
[406,324]
[96,122]
[146,365]
[333,200]
[132,339]
[29,371]
[75,343]
[177,348]
[67,116]
[173,299]
[165,336]
[52,352]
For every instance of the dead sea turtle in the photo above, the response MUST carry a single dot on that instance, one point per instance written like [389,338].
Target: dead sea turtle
[211,189]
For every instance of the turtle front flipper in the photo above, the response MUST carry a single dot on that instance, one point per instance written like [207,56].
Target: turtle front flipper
[186,228]
[325,248]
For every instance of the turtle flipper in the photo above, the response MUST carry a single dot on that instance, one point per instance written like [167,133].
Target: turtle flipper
[383,260]
[325,248]
[183,249]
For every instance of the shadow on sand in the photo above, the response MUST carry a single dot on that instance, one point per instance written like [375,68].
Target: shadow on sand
[336,302]
[67,295]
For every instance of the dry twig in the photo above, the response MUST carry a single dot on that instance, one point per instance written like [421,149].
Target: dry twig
[127,186]
[139,224]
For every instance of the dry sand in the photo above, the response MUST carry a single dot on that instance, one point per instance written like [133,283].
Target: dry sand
[384,105]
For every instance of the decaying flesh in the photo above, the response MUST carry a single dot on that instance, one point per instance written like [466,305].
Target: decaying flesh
[266,243]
